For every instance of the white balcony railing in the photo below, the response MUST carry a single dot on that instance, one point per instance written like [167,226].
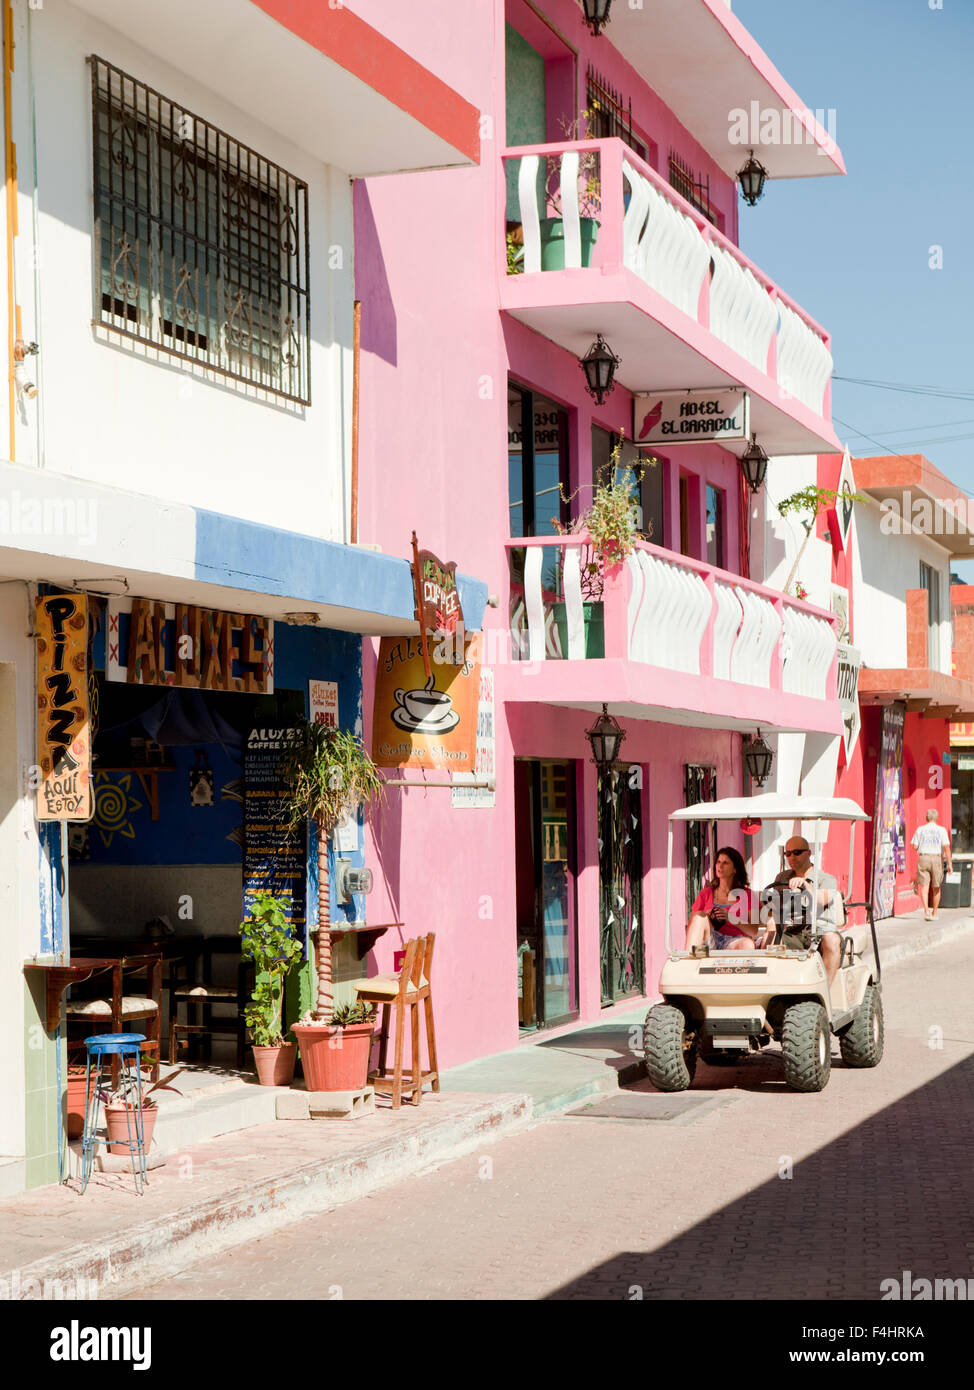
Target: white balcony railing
[648,227]
[667,611]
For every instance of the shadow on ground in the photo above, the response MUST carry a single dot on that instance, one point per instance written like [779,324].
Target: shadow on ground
[891,1195]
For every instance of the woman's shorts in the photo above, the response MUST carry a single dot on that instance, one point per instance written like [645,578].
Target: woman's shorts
[723,941]
[930,869]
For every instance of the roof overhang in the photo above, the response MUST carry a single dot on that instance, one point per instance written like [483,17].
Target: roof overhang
[702,62]
[933,694]
[106,540]
[316,73]
[918,499]
[660,347]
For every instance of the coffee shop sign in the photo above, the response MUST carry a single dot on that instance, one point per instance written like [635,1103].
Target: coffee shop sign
[686,417]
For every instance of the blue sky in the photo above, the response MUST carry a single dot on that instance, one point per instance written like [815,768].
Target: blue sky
[855,251]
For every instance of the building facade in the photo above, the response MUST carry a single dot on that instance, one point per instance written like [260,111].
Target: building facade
[605,203]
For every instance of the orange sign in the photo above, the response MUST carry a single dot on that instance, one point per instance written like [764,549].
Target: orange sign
[63,731]
[961,735]
[425,721]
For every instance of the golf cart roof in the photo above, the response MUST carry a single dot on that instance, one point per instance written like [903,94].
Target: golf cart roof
[773,806]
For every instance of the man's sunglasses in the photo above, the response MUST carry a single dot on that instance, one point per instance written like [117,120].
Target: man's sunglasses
[790,853]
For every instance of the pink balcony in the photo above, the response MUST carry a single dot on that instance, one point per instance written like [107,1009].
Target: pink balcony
[681,304]
[667,638]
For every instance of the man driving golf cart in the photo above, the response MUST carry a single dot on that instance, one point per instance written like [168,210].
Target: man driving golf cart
[790,900]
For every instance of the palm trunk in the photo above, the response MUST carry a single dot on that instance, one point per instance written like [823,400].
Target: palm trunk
[801,551]
[325,1003]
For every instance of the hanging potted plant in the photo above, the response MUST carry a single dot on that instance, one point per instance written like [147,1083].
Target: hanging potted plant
[267,941]
[609,524]
[329,775]
[589,200]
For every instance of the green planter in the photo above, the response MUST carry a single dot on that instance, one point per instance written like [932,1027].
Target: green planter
[594,621]
[553,241]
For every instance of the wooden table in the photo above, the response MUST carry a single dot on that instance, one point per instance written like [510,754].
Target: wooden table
[60,974]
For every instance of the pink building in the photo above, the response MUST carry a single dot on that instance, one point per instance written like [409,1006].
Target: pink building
[605,202]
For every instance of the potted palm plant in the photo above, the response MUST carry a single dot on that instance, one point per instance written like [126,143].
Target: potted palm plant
[267,941]
[329,775]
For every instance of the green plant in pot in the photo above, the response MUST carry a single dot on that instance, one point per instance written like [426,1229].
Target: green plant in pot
[589,200]
[329,775]
[267,941]
[121,1111]
[609,525]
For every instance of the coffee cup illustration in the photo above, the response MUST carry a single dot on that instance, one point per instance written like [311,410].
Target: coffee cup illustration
[424,711]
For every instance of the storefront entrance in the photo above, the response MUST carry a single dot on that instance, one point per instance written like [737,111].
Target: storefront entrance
[620,884]
[544,818]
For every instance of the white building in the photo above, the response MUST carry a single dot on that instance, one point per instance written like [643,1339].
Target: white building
[179,291]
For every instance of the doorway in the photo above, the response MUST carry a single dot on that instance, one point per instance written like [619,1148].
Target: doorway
[544,821]
[620,823]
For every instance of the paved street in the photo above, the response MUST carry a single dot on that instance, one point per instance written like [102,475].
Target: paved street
[770,1193]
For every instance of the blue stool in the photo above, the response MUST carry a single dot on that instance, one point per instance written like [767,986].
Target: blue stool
[101,1049]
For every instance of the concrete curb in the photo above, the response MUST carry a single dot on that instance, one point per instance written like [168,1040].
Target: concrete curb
[159,1248]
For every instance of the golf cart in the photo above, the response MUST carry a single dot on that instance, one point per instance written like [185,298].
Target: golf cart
[726,1005]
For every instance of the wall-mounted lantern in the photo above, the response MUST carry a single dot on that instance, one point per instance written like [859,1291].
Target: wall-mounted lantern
[599,365]
[758,759]
[596,14]
[605,736]
[752,178]
[754,462]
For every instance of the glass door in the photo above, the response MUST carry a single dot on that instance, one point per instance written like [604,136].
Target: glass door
[544,819]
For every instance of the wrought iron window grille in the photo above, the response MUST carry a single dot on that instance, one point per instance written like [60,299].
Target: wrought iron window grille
[201,243]
[696,191]
[606,116]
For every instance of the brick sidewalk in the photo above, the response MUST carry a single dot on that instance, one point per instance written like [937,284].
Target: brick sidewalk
[604,1209]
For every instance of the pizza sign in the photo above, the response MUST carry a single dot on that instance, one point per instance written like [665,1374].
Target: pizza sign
[63,729]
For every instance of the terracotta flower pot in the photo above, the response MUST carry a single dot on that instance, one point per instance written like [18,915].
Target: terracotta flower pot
[121,1120]
[275,1065]
[76,1101]
[335,1059]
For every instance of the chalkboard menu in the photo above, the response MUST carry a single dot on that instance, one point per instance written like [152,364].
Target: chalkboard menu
[274,861]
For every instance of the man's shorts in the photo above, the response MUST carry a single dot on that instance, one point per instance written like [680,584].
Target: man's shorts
[930,870]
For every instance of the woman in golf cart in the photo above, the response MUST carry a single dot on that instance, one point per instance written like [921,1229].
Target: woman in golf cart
[726,912]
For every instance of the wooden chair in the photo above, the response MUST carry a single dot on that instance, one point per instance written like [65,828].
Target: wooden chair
[200,998]
[123,1009]
[409,989]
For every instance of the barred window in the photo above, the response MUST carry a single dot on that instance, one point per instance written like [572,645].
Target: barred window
[201,243]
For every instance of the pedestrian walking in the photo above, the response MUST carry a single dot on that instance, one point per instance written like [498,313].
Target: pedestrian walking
[932,844]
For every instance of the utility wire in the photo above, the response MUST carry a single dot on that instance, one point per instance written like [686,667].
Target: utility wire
[908,388]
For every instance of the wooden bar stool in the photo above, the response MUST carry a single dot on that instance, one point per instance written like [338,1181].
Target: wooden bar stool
[409,989]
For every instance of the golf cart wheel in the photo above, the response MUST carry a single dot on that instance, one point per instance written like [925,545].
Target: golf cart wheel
[861,1044]
[806,1046]
[670,1051]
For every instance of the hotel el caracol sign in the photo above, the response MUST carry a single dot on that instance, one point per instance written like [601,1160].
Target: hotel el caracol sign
[689,417]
